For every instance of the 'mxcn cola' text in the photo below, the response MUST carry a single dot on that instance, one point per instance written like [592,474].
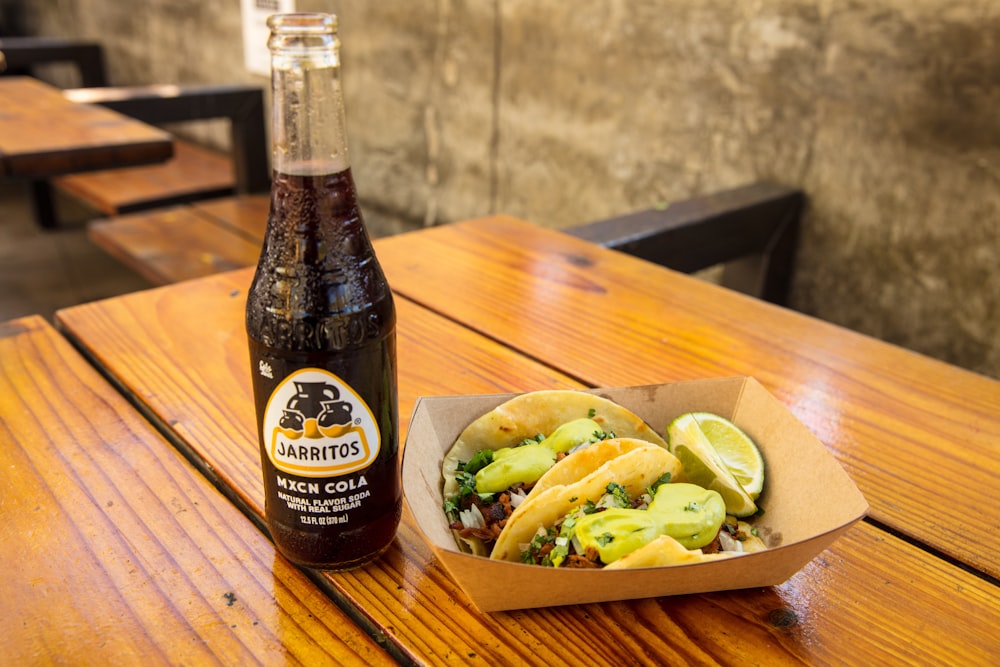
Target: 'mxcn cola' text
[316,488]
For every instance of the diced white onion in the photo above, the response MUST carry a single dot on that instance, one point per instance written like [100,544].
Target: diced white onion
[516,498]
[728,543]
[472,518]
[562,541]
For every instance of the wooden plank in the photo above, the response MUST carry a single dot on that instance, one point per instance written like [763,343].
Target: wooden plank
[173,244]
[920,438]
[193,172]
[182,242]
[180,350]
[244,214]
[116,551]
[43,134]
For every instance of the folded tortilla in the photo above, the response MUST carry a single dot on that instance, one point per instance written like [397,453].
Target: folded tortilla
[540,412]
[574,468]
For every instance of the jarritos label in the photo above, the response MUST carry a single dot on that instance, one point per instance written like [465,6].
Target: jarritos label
[315,425]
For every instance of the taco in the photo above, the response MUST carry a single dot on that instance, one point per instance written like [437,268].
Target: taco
[497,461]
[614,484]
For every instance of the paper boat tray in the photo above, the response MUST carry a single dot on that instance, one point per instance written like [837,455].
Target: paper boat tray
[808,499]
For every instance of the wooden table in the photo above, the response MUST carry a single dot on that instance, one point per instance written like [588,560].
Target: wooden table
[117,551]
[499,305]
[43,134]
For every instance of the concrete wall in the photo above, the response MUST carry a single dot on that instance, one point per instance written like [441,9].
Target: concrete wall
[887,113]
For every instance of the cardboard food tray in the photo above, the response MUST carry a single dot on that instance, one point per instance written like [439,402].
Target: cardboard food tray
[808,500]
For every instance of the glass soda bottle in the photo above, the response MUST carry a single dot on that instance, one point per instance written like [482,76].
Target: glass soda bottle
[320,320]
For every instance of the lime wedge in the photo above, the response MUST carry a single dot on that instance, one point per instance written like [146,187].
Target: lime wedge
[736,448]
[705,466]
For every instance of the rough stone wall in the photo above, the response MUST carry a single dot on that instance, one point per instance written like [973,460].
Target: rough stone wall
[884,112]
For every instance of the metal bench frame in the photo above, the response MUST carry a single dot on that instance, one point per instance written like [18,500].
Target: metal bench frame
[20,55]
[753,230]
[241,105]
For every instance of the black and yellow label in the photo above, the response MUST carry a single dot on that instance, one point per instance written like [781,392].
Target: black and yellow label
[315,425]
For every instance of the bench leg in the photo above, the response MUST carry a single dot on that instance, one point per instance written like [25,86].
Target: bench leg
[768,273]
[43,204]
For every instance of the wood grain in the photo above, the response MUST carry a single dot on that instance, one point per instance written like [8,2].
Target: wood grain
[170,245]
[43,134]
[919,437]
[173,244]
[116,551]
[180,350]
[192,171]
[244,214]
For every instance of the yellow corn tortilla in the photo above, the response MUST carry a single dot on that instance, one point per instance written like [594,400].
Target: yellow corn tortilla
[574,468]
[635,469]
[527,415]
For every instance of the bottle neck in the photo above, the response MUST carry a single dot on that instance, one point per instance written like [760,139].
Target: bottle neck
[308,120]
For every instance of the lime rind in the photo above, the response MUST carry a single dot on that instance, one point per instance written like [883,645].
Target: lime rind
[737,450]
[705,467]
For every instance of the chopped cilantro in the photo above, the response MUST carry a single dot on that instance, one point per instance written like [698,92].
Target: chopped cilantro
[604,539]
[618,492]
[602,435]
[466,483]
[531,441]
[538,545]
[452,508]
[651,489]
[480,460]
[555,557]
[591,412]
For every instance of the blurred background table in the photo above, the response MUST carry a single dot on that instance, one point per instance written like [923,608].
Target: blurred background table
[43,134]
[500,305]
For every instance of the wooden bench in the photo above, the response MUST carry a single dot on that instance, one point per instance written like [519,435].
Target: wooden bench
[752,231]
[194,172]
[182,242]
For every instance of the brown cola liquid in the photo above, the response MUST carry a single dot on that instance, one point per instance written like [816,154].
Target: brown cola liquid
[319,299]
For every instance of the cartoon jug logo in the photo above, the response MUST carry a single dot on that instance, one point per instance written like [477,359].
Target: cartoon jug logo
[317,426]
